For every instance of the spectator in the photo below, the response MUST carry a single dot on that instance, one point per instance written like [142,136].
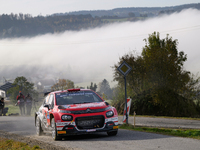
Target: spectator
[1,106]
[20,102]
[28,100]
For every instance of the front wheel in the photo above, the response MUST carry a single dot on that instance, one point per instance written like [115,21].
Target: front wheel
[112,133]
[54,130]
[39,130]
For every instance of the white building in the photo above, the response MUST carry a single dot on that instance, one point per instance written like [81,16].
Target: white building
[2,93]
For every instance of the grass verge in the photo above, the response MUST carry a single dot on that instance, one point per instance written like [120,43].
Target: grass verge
[15,109]
[15,145]
[189,133]
[187,118]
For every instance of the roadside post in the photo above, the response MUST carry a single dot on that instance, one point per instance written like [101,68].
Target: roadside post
[128,109]
[124,69]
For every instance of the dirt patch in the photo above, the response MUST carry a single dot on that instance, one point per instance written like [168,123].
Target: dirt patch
[31,142]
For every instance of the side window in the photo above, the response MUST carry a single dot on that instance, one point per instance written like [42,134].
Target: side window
[46,99]
[51,100]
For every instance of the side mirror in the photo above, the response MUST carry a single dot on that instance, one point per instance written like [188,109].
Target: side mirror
[46,105]
[107,103]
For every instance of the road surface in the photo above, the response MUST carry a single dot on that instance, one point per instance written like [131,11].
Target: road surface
[125,139]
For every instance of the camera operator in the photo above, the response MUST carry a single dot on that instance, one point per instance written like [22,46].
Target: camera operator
[1,106]
[28,100]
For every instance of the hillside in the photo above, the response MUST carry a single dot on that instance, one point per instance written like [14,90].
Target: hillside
[138,11]
[24,25]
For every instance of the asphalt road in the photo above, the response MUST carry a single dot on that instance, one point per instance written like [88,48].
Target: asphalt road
[163,122]
[125,139]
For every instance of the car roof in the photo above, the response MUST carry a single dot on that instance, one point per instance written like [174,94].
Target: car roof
[71,90]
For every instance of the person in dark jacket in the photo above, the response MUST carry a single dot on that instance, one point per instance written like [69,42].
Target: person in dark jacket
[21,103]
[28,101]
[1,106]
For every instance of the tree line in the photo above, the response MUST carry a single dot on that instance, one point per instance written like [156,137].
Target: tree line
[18,25]
[22,84]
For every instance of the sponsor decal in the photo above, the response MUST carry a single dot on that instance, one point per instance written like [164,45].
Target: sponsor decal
[116,123]
[61,132]
[72,122]
[60,128]
[48,115]
[89,105]
[115,127]
[62,123]
[112,119]
[91,130]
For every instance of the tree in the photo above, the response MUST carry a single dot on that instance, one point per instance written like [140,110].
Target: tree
[158,82]
[131,14]
[21,84]
[92,87]
[104,89]
[63,84]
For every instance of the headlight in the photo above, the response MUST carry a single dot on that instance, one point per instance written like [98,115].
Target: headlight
[67,118]
[109,114]
[64,111]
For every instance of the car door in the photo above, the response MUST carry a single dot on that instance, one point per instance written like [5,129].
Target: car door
[50,110]
[45,111]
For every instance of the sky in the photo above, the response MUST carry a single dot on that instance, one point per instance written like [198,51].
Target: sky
[48,7]
[88,55]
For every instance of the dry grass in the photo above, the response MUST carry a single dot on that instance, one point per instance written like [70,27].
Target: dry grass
[15,145]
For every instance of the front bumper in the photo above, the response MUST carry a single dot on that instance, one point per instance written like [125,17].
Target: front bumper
[71,128]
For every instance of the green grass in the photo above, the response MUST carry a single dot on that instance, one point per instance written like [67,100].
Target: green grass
[166,117]
[15,145]
[15,109]
[12,109]
[189,133]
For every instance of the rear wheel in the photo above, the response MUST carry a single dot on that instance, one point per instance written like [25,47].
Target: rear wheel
[39,130]
[112,133]
[54,130]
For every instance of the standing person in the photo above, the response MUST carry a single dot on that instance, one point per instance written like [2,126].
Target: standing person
[1,106]
[20,102]
[28,100]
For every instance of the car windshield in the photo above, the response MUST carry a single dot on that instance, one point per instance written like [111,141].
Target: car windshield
[77,97]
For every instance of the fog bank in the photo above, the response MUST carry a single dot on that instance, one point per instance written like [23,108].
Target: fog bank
[87,56]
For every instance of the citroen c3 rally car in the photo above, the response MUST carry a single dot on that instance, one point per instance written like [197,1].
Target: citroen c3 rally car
[75,111]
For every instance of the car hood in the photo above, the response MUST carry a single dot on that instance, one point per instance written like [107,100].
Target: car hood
[97,105]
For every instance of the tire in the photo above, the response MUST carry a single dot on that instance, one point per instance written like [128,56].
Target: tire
[112,133]
[54,130]
[39,130]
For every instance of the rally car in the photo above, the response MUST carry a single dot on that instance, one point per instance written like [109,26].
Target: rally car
[75,111]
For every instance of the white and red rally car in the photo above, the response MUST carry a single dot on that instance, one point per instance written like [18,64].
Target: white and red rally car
[75,111]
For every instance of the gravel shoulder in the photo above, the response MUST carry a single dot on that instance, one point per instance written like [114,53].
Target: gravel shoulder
[33,141]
